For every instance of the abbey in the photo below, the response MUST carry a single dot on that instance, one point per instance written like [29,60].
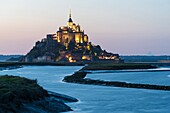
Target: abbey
[69,44]
[71,33]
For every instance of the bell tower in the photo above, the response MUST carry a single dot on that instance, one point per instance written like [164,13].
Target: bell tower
[70,21]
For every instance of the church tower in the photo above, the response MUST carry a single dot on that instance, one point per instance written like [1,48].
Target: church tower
[70,21]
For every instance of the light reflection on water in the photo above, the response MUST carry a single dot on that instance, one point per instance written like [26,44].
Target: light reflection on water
[101,99]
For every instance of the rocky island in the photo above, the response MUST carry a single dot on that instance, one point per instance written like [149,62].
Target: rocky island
[69,44]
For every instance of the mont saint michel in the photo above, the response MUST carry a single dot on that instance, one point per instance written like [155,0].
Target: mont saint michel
[69,44]
[107,56]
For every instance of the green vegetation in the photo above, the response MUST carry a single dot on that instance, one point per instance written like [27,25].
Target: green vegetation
[15,90]
[118,66]
[22,95]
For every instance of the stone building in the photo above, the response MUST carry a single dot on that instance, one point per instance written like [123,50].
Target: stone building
[72,33]
[69,44]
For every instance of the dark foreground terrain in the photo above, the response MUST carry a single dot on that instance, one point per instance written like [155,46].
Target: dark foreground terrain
[18,95]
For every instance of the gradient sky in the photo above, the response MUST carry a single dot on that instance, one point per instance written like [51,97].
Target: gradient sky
[119,26]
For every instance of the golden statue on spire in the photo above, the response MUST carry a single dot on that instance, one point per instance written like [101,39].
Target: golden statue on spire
[70,14]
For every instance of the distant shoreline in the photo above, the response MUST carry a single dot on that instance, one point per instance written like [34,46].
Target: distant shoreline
[118,66]
[91,65]
[79,78]
[6,64]
[15,65]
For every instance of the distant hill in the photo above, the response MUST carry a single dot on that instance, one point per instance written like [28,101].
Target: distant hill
[7,57]
[136,58]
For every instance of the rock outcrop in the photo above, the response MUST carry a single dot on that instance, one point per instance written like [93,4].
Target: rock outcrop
[49,50]
[21,95]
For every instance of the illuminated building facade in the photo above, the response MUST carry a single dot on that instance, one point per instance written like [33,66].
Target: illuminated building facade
[71,33]
[69,44]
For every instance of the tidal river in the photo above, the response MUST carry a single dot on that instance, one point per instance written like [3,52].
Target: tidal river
[103,99]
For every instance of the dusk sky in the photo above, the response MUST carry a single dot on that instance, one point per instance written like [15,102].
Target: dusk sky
[120,26]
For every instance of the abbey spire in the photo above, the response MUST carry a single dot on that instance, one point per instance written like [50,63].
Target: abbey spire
[70,14]
[70,19]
